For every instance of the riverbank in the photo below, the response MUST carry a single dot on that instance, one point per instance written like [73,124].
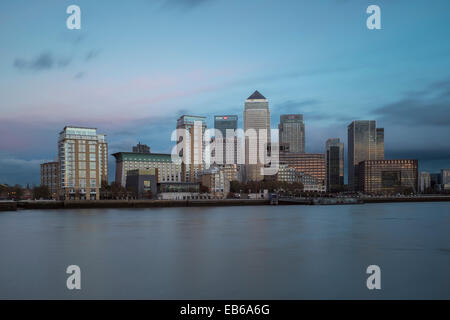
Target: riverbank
[95,204]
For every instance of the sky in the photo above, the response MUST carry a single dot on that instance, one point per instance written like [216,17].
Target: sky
[135,66]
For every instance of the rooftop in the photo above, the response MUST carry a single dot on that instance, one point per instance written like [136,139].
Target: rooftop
[256,96]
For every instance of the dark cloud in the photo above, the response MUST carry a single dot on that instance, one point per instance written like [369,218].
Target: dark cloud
[185,4]
[44,61]
[426,107]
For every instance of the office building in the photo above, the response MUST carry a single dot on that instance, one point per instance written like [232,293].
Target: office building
[288,174]
[292,132]
[424,181]
[83,163]
[143,182]
[226,145]
[50,178]
[167,170]
[191,145]
[141,148]
[445,179]
[388,176]
[256,123]
[312,164]
[334,165]
[380,144]
[365,142]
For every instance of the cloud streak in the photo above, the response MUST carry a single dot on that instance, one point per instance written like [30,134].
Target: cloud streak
[44,61]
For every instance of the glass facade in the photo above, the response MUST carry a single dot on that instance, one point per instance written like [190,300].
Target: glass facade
[365,142]
[335,165]
[292,132]
[388,176]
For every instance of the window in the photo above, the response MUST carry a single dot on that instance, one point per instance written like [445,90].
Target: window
[92,148]
[82,156]
[82,165]
[92,165]
[81,148]
[92,157]
[82,173]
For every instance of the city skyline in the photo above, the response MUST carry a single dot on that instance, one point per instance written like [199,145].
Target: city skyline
[106,76]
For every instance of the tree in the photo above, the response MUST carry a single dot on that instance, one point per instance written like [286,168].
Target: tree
[41,192]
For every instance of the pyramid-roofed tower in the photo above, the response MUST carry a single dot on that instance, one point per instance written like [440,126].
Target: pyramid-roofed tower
[256,96]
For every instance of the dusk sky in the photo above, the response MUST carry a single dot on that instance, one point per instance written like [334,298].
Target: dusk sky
[136,66]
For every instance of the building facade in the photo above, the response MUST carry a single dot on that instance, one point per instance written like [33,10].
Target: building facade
[312,164]
[445,179]
[365,142]
[216,181]
[292,132]
[257,118]
[83,163]
[179,191]
[167,170]
[226,145]
[143,182]
[288,174]
[424,181]
[50,178]
[334,165]
[388,176]
[191,146]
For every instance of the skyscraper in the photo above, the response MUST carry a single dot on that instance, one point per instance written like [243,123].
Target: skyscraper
[83,163]
[365,142]
[292,132]
[190,140]
[227,145]
[256,118]
[335,165]
[380,144]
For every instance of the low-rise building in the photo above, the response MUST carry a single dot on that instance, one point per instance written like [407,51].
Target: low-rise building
[143,182]
[180,191]
[312,164]
[388,176]
[216,181]
[168,171]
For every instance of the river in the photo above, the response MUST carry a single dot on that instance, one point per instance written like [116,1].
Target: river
[264,252]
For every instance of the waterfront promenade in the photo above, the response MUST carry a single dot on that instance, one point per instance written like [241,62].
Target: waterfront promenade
[75,204]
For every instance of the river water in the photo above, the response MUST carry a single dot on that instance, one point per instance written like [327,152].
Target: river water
[264,252]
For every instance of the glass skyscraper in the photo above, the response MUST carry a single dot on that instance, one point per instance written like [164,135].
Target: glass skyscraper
[191,146]
[292,133]
[227,145]
[365,142]
[335,165]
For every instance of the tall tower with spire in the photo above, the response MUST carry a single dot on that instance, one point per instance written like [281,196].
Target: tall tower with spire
[256,117]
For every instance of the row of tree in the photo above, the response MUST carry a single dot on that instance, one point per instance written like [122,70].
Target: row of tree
[17,192]
[272,186]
